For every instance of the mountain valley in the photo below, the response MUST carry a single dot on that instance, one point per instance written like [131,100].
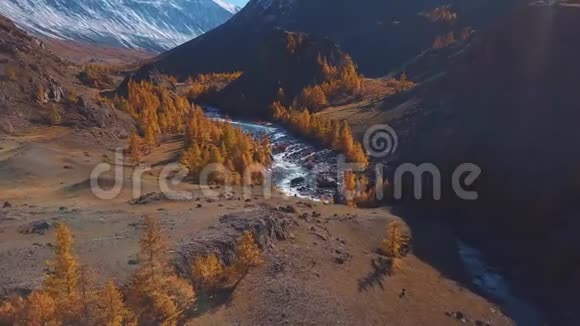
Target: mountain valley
[205,185]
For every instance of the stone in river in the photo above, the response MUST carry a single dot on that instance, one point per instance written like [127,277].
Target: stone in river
[297,182]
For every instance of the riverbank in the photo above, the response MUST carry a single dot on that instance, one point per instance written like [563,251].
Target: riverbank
[299,169]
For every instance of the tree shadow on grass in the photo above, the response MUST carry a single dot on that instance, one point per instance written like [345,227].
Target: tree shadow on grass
[382,268]
[210,302]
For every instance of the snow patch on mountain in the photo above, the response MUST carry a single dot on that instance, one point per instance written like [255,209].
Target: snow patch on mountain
[152,25]
[228,6]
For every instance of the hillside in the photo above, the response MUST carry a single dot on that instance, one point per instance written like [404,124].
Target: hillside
[520,80]
[504,98]
[508,104]
[84,53]
[284,64]
[379,35]
[37,87]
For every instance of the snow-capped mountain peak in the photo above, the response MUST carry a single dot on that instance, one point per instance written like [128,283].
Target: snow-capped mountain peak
[155,25]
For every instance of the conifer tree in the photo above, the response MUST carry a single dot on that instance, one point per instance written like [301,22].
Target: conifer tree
[346,139]
[334,138]
[10,310]
[87,295]
[207,271]
[215,155]
[135,147]
[156,293]
[54,115]
[153,248]
[40,309]
[111,309]
[40,94]
[62,283]
[397,242]
[248,254]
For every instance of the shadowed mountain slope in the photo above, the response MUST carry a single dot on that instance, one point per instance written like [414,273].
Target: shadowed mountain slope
[379,34]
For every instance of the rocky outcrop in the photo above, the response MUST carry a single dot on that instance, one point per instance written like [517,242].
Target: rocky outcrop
[53,92]
[325,181]
[36,227]
[90,114]
[268,227]
[154,197]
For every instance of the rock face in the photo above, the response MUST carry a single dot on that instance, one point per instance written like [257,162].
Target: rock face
[53,92]
[268,227]
[39,77]
[87,114]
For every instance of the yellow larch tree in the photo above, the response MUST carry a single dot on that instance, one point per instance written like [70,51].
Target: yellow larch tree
[62,282]
[40,309]
[395,240]
[111,309]
[135,143]
[156,293]
[207,271]
[248,254]
[396,243]
[54,115]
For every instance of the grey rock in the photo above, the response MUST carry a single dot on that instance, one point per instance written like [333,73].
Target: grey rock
[288,209]
[159,196]
[37,227]
[297,182]
[268,226]
[326,182]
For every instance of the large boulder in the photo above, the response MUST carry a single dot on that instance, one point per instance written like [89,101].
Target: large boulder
[55,91]
[297,182]
[326,182]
